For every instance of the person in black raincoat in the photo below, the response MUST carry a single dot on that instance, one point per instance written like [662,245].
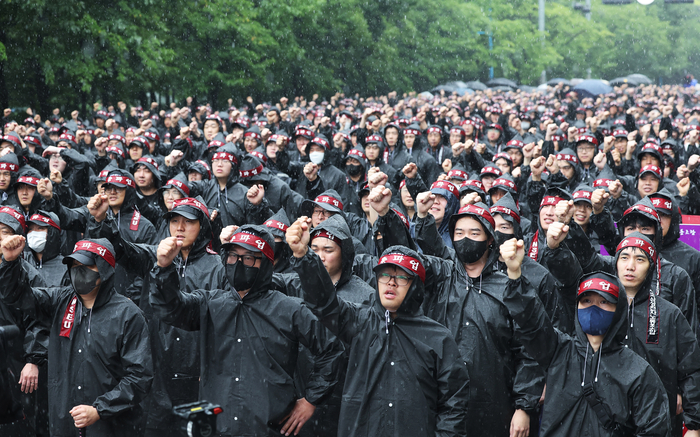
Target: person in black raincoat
[249,338]
[25,196]
[659,333]
[411,149]
[9,170]
[224,192]
[406,376]
[672,249]
[595,386]
[44,241]
[148,180]
[100,359]
[465,294]
[175,351]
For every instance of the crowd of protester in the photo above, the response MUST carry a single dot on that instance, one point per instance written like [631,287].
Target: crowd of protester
[495,264]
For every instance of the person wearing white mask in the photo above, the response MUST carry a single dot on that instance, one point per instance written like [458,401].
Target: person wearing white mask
[44,241]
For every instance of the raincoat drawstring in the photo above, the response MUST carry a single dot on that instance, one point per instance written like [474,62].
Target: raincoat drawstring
[585,364]
[600,358]
[388,319]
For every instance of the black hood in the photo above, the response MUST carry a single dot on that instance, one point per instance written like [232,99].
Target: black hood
[252,171]
[130,196]
[494,253]
[399,141]
[179,182]
[53,236]
[263,281]
[203,241]
[277,225]
[34,173]
[11,162]
[615,336]
[508,203]
[233,177]
[103,267]
[643,208]
[674,230]
[325,200]
[337,226]
[411,304]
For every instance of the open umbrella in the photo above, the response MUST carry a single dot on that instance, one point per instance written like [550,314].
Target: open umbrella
[426,95]
[476,85]
[621,81]
[640,79]
[526,88]
[447,88]
[501,81]
[592,87]
[557,81]
[501,88]
[457,84]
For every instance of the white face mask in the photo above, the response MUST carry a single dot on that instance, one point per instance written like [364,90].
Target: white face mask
[525,125]
[316,157]
[37,241]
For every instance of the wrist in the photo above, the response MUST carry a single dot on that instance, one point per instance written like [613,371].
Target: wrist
[514,274]
[300,253]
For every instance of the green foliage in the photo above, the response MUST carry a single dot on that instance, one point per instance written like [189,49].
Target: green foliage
[78,51]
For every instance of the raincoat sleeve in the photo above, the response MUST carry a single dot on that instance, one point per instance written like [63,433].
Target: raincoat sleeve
[257,214]
[589,259]
[604,226]
[535,331]
[72,219]
[649,405]
[327,352]
[415,186]
[392,231]
[688,370]
[684,297]
[453,391]
[135,258]
[137,365]
[35,303]
[429,240]
[340,317]
[181,310]
[535,193]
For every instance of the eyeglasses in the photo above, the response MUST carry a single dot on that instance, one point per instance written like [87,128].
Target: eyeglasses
[112,188]
[400,280]
[248,260]
[323,212]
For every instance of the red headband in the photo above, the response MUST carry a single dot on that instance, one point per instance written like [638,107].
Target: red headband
[180,185]
[638,243]
[506,182]
[325,234]
[550,200]
[434,129]
[652,168]
[642,208]
[9,166]
[321,142]
[252,172]
[602,183]
[148,160]
[481,212]
[252,134]
[408,262]
[28,180]
[259,155]
[92,247]
[457,174]
[252,240]
[329,201]
[473,183]
[498,209]
[588,138]
[415,132]
[355,152]
[567,157]
[194,203]
[582,194]
[662,203]
[225,155]
[277,225]
[402,217]
[115,149]
[44,219]
[489,169]
[123,180]
[19,217]
[445,185]
[597,284]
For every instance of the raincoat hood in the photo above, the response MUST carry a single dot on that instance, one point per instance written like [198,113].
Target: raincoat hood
[194,208]
[102,253]
[644,208]
[397,255]
[258,239]
[665,202]
[50,221]
[337,227]
[507,208]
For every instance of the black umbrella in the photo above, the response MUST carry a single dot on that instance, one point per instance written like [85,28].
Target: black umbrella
[623,80]
[501,81]
[640,79]
[501,88]
[447,88]
[476,85]
[557,81]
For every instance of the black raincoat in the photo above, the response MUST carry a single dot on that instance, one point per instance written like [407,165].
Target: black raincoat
[106,364]
[406,375]
[249,347]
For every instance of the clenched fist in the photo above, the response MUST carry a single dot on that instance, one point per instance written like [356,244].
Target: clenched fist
[167,251]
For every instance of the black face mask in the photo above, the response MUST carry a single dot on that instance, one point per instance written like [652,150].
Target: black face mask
[241,276]
[83,279]
[469,251]
[502,238]
[353,170]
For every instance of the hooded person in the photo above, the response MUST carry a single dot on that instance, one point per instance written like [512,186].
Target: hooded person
[406,375]
[226,194]
[438,146]
[328,204]
[115,371]
[676,285]
[508,223]
[175,351]
[464,292]
[595,385]
[672,249]
[26,196]
[356,166]
[9,171]
[173,189]
[586,148]
[148,180]
[445,206]
[659,333]
[120,195]
[377,154]
[247,303]
[333,243]
[277,225]
[570,173]
[412,149]
[278,194]
[198,170]
[44,242]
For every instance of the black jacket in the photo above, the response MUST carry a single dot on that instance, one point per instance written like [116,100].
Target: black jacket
[106,364]
[406,375]
[249,348]
[622,380]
